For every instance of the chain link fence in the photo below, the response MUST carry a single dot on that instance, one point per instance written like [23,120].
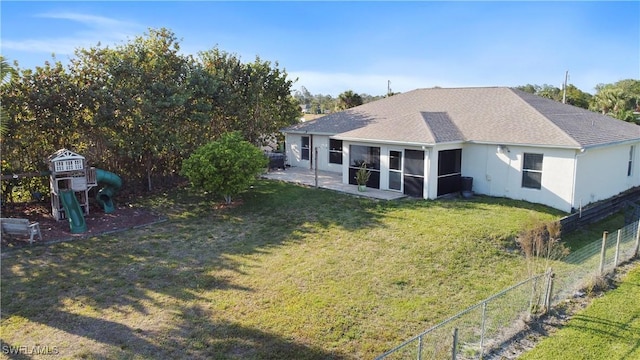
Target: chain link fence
[486,326]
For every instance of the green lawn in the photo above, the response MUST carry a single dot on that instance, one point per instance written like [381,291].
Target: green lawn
[607,329]
[292,272]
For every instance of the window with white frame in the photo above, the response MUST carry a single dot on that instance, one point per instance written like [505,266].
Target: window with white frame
[532,171]
[630,167]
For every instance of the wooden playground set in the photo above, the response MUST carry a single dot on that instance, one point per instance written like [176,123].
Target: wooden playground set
[70,181]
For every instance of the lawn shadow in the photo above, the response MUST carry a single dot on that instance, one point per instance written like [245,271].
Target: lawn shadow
[67,285]
[194,252]
[202,336]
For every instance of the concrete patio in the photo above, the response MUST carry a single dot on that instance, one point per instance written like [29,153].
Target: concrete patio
[328,180]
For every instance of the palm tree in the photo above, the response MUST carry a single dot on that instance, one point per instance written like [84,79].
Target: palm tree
[7,73]
[609,100]
[348,99]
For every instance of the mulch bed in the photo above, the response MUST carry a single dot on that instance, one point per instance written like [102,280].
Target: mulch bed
[123,218]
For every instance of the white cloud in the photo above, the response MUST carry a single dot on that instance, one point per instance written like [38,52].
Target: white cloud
[93,21]
[92,30]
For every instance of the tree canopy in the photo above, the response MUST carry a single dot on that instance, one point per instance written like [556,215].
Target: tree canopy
[140,108]
[348,99]
[620,100]
[574,96]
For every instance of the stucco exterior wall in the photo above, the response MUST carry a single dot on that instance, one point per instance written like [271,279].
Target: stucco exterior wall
[602,173]
[293,151]
[498,172]
[293,144]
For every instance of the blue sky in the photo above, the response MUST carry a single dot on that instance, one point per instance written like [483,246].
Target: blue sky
[336,46]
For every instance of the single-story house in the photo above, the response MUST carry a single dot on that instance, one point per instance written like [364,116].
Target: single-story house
[512,144]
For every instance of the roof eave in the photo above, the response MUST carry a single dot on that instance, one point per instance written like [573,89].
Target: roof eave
[615,143]
[307,132]
[547,146]
[387,142]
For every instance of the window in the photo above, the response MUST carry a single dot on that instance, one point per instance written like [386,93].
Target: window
[365,154]
[532,171]
[368,155]
[630,167]
[395,170]
[305,148]
[335,151]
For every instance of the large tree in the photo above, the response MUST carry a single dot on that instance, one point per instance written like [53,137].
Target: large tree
[620,100]
[139,108]
[348,99]
[41,113]
[572,95]
[7,73]
[256,98]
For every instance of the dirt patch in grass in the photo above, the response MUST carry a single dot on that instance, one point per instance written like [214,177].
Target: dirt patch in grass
[125,217]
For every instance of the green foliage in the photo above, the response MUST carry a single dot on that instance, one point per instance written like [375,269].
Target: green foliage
[574,96]
[620,100]
[363,175]
[256,99]
[226,167]
[141,107]
[348,99]
[320,104]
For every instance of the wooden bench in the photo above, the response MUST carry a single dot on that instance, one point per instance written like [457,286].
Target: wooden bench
[20,227]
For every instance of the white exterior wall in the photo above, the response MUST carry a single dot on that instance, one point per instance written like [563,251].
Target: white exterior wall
[293,151]
[499,173]
[321,142]
[602,173]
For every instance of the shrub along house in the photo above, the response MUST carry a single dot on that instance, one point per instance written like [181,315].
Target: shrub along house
[511,143]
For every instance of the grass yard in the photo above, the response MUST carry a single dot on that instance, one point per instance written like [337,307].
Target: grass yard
[609,328]
[292,272]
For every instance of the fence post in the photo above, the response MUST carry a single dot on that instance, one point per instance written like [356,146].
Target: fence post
[637,247]
[484,319]
[420,348]
[455,344]
[615,259]
[548,290]
[534,287]
[603,252]
[315,167]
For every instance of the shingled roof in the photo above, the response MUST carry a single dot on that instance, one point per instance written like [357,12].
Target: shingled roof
[497,115]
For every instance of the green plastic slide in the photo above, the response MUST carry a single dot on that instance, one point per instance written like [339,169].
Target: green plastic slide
[112,183]
[74,211]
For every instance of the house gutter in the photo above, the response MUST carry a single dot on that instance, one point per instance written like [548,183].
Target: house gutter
[303,132]
[622,142]
[387,142]
[494,143]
